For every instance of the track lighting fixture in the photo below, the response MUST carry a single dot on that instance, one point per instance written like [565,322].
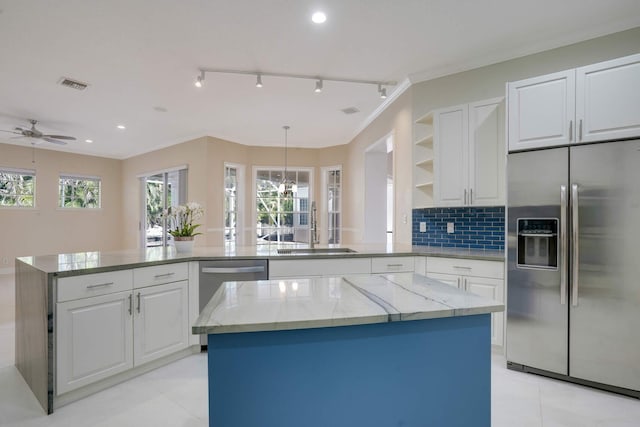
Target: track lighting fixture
[382,91]
[319,80]
[200,79]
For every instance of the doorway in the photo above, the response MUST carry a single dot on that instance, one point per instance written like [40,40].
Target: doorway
[160,190]
[379,192]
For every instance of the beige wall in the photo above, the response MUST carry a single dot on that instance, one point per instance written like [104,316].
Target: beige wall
[48,229]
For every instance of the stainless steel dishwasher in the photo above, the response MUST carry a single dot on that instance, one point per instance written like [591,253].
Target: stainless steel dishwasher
[213,273]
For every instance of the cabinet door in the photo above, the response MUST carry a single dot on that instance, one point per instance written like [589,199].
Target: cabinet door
[486,153]
[161,324]
[93,339]
[541,111]
[494,289]
[608,100]
[451,138]
[449,279]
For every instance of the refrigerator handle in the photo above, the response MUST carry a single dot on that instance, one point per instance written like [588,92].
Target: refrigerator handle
[574,245]
[563,244]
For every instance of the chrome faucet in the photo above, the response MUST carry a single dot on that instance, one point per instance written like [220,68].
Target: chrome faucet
[313,229]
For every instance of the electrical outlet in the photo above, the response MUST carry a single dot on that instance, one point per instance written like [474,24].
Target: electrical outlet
[450,228]
[423,227]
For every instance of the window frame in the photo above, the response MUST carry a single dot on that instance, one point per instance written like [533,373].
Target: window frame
[24,172]
[254,193]
[325,203]
[240,187]
[77,177]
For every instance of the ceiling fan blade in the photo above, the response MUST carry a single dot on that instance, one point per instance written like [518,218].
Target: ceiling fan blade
[55,141]
[68,138]
[10,131]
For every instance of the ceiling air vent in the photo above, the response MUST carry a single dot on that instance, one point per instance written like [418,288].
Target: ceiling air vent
[350,110]
[73,84]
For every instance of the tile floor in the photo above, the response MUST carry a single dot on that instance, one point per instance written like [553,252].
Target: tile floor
[176,395]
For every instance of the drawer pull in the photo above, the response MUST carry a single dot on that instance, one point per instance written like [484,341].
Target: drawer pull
[99,285]
[159,276]
[462,267]
[394,265]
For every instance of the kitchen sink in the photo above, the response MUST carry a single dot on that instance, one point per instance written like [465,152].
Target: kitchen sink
[316,251]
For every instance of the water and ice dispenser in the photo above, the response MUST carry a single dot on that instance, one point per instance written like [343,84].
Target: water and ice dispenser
[538,243]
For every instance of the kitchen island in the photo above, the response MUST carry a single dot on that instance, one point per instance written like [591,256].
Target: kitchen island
[362,350]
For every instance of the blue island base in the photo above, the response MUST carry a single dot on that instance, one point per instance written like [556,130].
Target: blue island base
[412,373]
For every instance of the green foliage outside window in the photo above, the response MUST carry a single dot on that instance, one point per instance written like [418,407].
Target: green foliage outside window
[79,192]
[17,189]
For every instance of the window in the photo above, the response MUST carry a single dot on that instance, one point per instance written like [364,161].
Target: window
[79,192]
[281,218]
[233,178]
[17,187]
[161,190]
[333,202]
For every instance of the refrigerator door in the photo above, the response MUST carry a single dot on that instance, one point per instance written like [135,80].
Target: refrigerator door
[605,287]
[537,313]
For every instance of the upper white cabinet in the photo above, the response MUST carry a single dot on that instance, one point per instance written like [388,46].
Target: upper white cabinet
[469,154]
[608,100]
[541,111]
[594,103]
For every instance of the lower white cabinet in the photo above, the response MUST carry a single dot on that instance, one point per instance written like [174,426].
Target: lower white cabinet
[284,268]
[485,278]
[94,339]
[160,321]
[101,336]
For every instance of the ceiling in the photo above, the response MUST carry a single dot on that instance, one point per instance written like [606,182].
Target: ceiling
[141,56]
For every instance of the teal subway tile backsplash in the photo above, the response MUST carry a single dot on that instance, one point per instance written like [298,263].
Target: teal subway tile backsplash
[474,227]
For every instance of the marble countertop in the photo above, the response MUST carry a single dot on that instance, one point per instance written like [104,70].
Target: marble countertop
[335,301]
[99,261]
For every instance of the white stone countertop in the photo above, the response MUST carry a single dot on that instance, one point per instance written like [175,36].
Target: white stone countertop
[270,305]
[98,261]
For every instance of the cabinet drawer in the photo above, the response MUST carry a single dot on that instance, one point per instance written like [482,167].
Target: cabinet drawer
[319,267]
[466,267]
[91,285]
[159,274]
[391,264]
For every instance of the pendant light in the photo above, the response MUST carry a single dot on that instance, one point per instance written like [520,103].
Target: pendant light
[286,188]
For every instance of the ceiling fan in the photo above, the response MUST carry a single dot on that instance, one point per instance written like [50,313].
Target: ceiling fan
[35,133]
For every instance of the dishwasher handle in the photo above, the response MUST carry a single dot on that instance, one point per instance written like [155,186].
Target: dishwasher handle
[232,270]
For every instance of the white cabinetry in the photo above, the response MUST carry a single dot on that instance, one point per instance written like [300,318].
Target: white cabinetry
[161,321]
[108,323]
[423,162]
[318,267]
[94,339]
[598,102]
[469,154]
[395,264]
[485,278]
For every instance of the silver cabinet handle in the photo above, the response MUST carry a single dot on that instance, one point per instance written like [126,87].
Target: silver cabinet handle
[99,285]
[563,244]
[458,283]
[464,284]
[462,267]
[574,245]
[214,270]
[130,304]
[471,196]
[580,131]
[138,309]
[394,265]
[159,276]
[570,130]
[465,196]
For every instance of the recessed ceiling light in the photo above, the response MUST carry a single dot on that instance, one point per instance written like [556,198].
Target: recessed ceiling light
[88,141]
[160,109]
[121,127]
[319,17]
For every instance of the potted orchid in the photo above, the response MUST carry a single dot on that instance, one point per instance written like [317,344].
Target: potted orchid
[181,224]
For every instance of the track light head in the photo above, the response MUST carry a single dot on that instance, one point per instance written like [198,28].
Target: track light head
[259,80]
[318,88]
[200,79]
[382,91]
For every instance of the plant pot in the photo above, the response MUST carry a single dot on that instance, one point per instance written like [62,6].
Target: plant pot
[183,244]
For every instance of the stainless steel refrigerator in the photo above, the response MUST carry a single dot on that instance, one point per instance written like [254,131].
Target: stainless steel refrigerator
[573,272]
